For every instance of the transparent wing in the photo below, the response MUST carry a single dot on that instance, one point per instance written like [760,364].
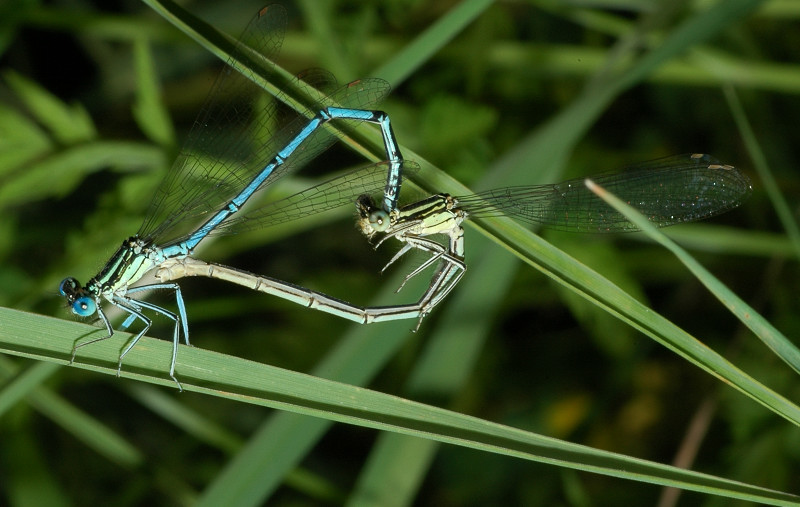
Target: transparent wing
[340,191]
[668,191]
[239,131]
[201,165]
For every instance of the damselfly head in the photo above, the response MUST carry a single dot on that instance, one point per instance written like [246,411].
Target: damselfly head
[371,218]
[78,299]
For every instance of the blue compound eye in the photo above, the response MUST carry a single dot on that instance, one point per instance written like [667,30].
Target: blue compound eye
[84,306]
[379,220]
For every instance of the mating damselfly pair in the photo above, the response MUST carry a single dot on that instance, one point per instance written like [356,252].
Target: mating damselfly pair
[233,153]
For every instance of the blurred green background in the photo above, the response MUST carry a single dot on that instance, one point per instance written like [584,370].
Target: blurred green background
[85,136]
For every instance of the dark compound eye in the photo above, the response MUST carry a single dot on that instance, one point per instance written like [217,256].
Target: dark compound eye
[68,286]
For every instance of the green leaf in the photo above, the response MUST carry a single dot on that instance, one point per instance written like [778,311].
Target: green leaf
[21,141]
[148,110]
[59,173]
[68,124]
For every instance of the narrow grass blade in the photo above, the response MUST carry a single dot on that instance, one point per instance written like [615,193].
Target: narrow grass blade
[765,331]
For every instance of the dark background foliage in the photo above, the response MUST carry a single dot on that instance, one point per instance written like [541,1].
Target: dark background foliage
[81,148]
